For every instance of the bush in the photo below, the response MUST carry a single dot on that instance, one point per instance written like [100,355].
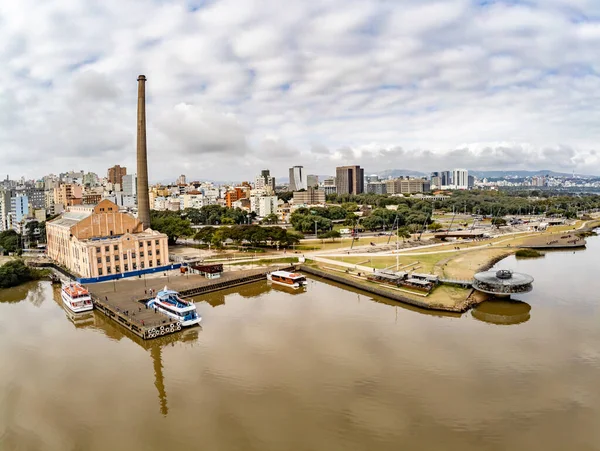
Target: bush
[16,272]
[528,253]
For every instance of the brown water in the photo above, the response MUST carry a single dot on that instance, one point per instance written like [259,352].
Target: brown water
[329,369]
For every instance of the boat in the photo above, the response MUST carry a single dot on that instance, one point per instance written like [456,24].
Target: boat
[169,303]
[287,279]
[76,297]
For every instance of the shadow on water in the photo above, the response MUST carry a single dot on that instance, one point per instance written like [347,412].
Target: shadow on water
[502,312]
[99,322]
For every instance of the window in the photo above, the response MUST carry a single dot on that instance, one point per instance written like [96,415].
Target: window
[126,267]
[116,258]
[109,208]
[98,250]
[149,252]
[149,243]
[108,259]
[99,271]
[157,242]
[158,262]
[101,209]
[157,251]
[107,249]
[99,259]
[141,244]
[141,254]
[142,265]
[108,270]
[117,268]
[133,255]
[116,247]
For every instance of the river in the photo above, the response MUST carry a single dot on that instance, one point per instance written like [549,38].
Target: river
[328,369]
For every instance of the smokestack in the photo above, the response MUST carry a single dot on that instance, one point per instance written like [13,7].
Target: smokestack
[143,197]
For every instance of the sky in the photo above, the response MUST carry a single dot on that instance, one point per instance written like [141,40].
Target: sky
[236,86]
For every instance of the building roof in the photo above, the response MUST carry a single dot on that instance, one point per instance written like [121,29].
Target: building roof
[71,218]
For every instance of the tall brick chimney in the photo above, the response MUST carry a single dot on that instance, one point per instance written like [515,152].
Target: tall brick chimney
[143,198]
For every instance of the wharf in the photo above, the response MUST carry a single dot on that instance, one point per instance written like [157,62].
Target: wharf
[121,300]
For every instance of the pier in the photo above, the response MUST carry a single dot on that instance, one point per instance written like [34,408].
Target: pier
[123,300]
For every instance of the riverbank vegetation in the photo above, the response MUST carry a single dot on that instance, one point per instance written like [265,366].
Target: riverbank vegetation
[16,272]
[528,253]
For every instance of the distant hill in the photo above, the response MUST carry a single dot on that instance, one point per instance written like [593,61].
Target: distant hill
[500,174]
[393,173]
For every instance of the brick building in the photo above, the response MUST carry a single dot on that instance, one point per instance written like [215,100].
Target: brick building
[99,240]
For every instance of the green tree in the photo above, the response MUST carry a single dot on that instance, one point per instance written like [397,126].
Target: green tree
[271,219]
[435,226]
[403,232]
[171,225]
[16,272]
[9,241]
[333,234]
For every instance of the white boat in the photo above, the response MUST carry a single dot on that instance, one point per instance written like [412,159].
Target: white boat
[168,302]
[287,279]
[76,297]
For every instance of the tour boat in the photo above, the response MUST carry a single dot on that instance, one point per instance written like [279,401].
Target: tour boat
[76,297]
[168,302]
[287,279]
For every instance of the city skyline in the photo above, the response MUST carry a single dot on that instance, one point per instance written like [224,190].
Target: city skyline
[419,85]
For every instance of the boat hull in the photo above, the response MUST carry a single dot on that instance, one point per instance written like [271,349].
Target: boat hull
[184,323]
[294,286]
[76,309]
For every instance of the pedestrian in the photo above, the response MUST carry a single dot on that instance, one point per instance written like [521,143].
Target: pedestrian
[155,310]
[146,291]
[142,322]
[140,309]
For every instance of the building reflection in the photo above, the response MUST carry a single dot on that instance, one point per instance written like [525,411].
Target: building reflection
[505,312]
[97,321]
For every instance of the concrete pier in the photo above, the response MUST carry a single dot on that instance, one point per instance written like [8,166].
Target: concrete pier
[122,300]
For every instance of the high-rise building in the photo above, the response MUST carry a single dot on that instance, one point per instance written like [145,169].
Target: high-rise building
[408,186]
[460,178]
[265,181]
[446,178]
[4,209]
[376,187]
[350,179]
[297,178]
[181,180]
[311,196]
[129,185]
[115,175]
[312,181]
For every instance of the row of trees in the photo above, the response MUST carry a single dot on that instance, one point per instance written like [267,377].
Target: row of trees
[253,235]
[217,215]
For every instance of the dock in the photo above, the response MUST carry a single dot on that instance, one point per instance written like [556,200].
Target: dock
[124,300]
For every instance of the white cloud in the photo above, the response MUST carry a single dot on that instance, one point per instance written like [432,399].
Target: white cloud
[235,86]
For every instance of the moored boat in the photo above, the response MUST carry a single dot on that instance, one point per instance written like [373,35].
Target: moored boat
[168,302]
[287,279]
[76,297]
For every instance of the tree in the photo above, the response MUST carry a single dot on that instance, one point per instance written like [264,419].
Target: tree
[171,225]
[9,241]
[271,219]
[403,233]
[16,272]
[498,222]
[435,226]
[30,229]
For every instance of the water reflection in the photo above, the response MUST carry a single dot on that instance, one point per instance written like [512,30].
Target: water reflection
[97,321]
[502,312]
[31,291]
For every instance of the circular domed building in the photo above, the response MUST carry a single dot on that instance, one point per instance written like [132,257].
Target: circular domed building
[502,282]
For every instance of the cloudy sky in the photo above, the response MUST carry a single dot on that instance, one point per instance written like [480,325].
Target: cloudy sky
[239,85]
